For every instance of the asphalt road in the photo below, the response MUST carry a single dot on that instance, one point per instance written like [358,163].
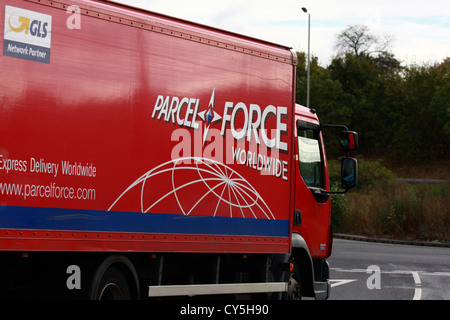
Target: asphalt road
[378,271]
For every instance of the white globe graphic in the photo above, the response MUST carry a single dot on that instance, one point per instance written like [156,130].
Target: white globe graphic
[195,182]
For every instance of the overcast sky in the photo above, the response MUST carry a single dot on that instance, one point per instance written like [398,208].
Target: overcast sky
[421,29]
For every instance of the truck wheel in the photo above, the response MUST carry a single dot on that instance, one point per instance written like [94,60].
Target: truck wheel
[294,285]
[113,286]
[115,279]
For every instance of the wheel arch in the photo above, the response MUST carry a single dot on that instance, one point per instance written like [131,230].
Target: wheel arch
[300,253]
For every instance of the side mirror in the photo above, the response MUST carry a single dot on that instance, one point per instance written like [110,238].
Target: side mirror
[349,141]
[349,173]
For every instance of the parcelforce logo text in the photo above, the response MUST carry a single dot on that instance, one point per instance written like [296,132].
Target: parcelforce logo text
[185,112]
[27,34]
[242,121]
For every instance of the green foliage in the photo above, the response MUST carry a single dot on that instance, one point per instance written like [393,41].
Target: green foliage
[382,206]
[370,173]
[401,113]
[337,210]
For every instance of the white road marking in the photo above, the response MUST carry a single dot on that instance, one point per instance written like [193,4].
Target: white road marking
[415,274]
[339,282]
[418,289]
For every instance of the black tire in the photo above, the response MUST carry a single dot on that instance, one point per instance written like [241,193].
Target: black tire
[114,279]
[113,286]
[293,278]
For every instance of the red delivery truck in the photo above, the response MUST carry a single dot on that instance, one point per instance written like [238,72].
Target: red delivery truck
[145,156]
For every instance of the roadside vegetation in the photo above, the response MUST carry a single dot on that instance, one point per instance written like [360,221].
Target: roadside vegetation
[402,115]
[381,206]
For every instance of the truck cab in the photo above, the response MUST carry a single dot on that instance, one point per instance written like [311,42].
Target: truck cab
[312,232]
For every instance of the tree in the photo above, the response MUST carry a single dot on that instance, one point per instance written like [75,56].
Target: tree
[386,62]
[401,113]
[424,113]
[357,40]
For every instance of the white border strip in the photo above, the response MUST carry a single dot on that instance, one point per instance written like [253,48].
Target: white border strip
[211,289]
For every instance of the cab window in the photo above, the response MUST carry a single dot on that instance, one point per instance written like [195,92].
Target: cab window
[310,160]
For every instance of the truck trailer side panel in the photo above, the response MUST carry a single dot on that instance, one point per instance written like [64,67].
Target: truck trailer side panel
[137,132]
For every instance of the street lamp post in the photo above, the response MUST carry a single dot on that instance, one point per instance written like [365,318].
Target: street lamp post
[309,59]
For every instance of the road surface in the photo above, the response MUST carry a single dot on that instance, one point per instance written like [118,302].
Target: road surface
[378,271]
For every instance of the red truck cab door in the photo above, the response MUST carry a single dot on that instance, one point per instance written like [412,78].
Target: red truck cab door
[313,206]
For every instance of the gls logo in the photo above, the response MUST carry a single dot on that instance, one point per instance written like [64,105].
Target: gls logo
[36,28]
[27,34]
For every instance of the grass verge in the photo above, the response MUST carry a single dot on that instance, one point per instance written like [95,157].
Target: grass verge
[384,207]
